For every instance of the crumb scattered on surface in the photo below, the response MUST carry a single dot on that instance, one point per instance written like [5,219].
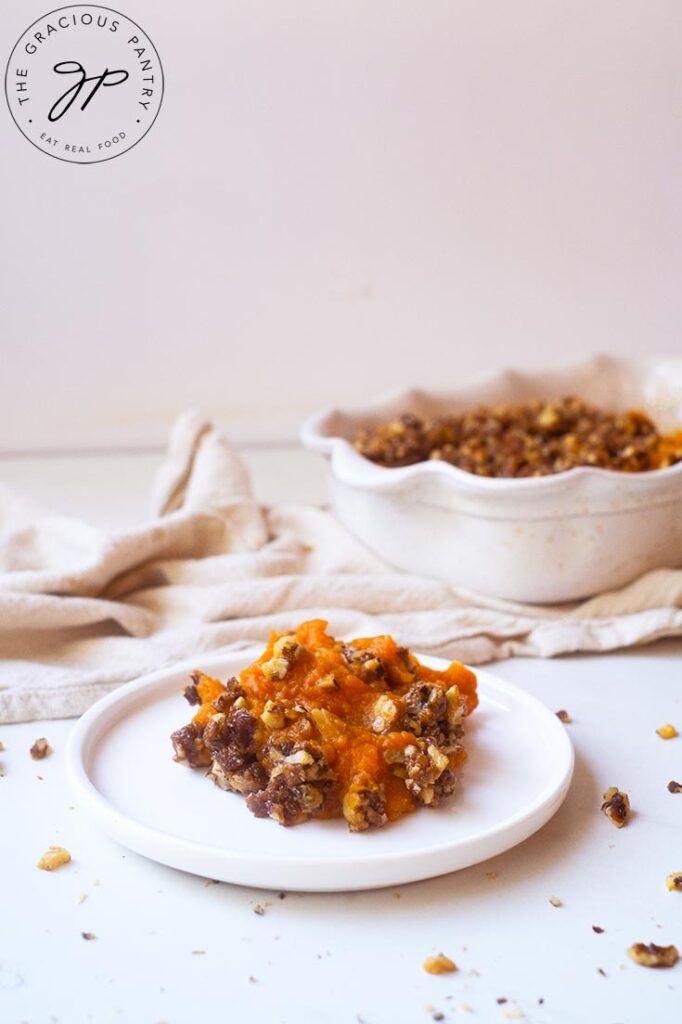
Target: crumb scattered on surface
[281,895]
[616,806]
[2,746]
[440,964]
[55,857]
[88,936]
[667,731]
[564,717]
[598,929]
[600,970]
[674,881]
[651,955]
[555,901]
[40,749]
[674,787]
[491,874]
[252,979]
[512,1013]
[502,999]
[82,898]
[258,909]
[198,952]
[212,881]
[438,1015]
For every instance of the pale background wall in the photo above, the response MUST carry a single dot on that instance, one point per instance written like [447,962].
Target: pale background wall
[341,197]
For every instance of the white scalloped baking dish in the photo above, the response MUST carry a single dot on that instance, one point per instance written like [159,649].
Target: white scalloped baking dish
[539,539]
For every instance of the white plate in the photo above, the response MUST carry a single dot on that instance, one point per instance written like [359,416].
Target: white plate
[120,762]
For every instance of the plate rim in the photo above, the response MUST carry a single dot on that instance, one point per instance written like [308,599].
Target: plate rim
[109,817]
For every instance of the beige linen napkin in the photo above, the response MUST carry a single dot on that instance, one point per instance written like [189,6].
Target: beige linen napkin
[82,611]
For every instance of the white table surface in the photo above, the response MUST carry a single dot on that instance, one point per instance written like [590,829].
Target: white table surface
[177,949]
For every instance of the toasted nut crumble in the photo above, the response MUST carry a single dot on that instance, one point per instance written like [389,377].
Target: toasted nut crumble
[55,857]
[440,964]
[564,717]
[555,901]
[532,438]
[40,749]
[258,909]
[667,731]
[616,806]
[597,929]
[674,787]
[652,955]
[674,881]
[88,936]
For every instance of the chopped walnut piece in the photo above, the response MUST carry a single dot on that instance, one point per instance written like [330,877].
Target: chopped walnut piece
[674,881]
[652,955]
[440,964]
[667,731]
[555,901]
[674,787]
[55,857]
[597,929]
[88,936]
[564,717]
[259,909]
[616,806]
[40,749]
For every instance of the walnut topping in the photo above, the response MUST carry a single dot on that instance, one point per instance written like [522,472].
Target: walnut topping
[273,715]
[667,731]
[440,964]
[191,694]
[652,955]
[616,806]
[674,787]
[275,668]
[532,438]
[284,653]
[385,714]
[55,857]
[674,881]
[564,717]
[40,749]
[364,805]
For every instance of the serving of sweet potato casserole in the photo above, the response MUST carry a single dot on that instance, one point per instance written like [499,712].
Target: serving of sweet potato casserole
[317,728]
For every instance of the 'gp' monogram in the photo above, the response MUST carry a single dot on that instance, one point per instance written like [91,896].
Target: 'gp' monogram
[72,67]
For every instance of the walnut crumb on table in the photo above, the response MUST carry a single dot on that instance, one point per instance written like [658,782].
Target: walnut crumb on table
[564,717]
[674,787]
[667,731]
[440,964]
[258,909]
[55,857]
[88,936]
[555,901]
[40,749]
[674,881]
[652,955]
[616,806]
[597,929]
